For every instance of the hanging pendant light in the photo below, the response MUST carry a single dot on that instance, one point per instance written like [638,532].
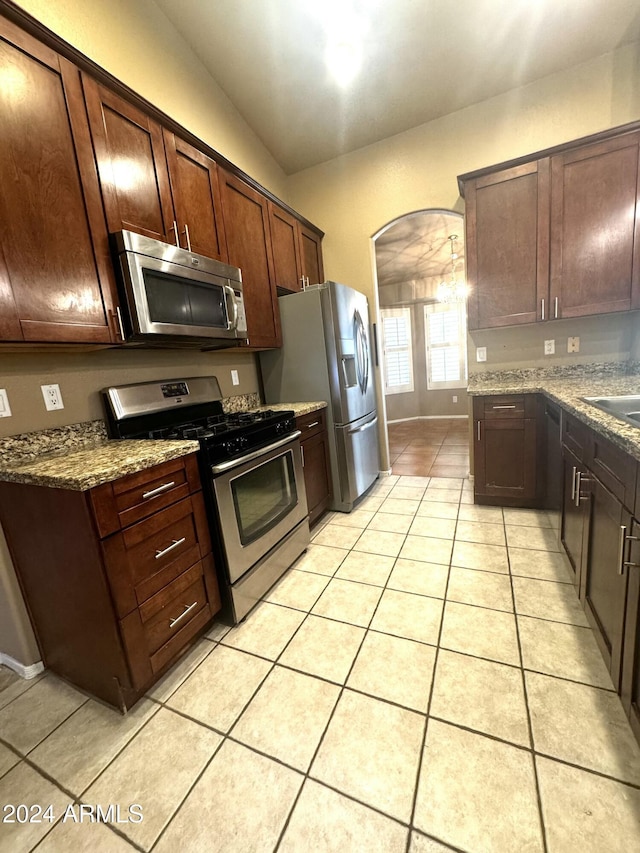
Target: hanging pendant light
[454,290]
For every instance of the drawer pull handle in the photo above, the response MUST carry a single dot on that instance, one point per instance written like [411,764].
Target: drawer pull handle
[315,423]
[478,432]
[186,610]
[504,407]
[623,537]
[573,484]
[154,492]
[173,545]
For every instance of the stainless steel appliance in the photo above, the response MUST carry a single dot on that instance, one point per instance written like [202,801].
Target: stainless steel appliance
[251,471]
[170,295]
[326,355]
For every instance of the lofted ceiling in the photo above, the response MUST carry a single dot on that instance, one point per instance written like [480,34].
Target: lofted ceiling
[422,59]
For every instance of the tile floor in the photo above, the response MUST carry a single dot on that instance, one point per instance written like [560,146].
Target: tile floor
[422,680]
[438,447]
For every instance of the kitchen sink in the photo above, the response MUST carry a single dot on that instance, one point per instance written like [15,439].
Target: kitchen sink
[625,407]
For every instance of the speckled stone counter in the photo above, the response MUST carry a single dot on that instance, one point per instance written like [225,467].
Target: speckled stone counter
[566,386]
[298,408]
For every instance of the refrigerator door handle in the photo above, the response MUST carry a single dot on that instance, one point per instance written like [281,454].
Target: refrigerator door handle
[364,426]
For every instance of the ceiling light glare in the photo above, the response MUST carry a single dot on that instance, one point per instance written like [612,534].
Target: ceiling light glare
[344,59]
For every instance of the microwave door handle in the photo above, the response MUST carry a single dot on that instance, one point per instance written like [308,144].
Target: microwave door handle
[229,292]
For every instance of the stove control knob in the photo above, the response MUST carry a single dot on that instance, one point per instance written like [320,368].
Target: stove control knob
[280,428]
[242,442]
[230,446]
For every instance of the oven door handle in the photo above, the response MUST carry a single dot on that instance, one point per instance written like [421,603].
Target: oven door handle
[256,454]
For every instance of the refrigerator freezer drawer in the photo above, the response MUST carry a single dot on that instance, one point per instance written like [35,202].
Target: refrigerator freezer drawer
[358,461]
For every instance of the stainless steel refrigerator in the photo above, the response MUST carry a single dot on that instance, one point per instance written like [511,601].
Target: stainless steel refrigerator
[326,355]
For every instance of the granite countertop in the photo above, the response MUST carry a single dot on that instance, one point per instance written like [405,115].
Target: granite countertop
[298,408]
[566,386]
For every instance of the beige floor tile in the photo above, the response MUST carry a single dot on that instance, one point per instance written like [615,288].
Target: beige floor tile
[536,538]
[440,528]
[8,759]
[76,752]
[23,784]
[548,600]
[419,577]
[382,667]
[483,532]
[218,690]
[582,725]
[585,812]
[391,522]
[400,507]
[321,559]
[544,565]
[421,844]
[484,589]
[338,536]
[445,483]
[489,514]
[156,770]
[466,498]
[441,495]
[287,716]
[372,503]
[567,651]
[414,617]
[347,601]
[477,793]
[427,548]
[265,631]
[217,631]
[527,517]
[299,590]
[484,633]
[324,821]
[357,518]
[380,542]
[370,752]
[437,509]
[37,712]
[324,647]
[84,837]
[408,480]
[241,802]
[488,558]
[15,686]
[407,493]
[366,568]
[178,674]
[481,695]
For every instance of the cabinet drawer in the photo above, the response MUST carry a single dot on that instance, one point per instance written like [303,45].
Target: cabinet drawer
[125,501]
[614,468]
[311,424]
[511,406]
[175,606]
[147,556]
[575,436]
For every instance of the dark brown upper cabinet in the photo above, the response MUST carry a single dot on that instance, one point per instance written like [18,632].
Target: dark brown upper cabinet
[196,198]
[131,163]
[595,234]
[246,217]
[311,254]
[507,246]
[56,280]
[297,251]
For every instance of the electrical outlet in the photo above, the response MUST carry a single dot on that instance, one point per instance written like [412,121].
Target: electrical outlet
[234,377]
[52,397]
[5,408]
[573,344]
[549,347]
[454,399]
[481,353]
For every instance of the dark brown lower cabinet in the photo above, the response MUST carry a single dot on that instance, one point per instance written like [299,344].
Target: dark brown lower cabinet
[630,682]
[314,442]
[574,526]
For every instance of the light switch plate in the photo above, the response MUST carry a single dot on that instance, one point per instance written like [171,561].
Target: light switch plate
[549,347]
[5,408]
[52,397]
[235,380]
[481,353]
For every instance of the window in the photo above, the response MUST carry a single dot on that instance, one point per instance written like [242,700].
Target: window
[445,331]
[396,348]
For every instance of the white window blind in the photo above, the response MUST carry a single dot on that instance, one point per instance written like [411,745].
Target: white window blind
[397,352]
[445,331]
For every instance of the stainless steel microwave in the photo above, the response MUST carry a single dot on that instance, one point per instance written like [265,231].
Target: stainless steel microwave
[170,296]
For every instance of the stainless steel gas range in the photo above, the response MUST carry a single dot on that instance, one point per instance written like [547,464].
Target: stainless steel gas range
[251,471]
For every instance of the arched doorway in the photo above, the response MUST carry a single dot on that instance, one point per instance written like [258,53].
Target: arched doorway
[421,321]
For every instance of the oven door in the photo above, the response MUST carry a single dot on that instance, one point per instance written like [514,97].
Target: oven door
[259,499]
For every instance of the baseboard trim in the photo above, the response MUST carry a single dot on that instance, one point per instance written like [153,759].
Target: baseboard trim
[23,671]
[431,418]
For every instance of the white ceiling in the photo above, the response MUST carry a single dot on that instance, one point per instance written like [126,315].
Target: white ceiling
[422,59]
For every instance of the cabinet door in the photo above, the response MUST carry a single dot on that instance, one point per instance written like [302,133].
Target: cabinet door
[317,477]
[286,249]
[311,254]
[573,529]
[196,198]
[56,279]
[594,228]
[249,243]
[505,458]
[131,164]
[630,682]
[605,582]
[507,230]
